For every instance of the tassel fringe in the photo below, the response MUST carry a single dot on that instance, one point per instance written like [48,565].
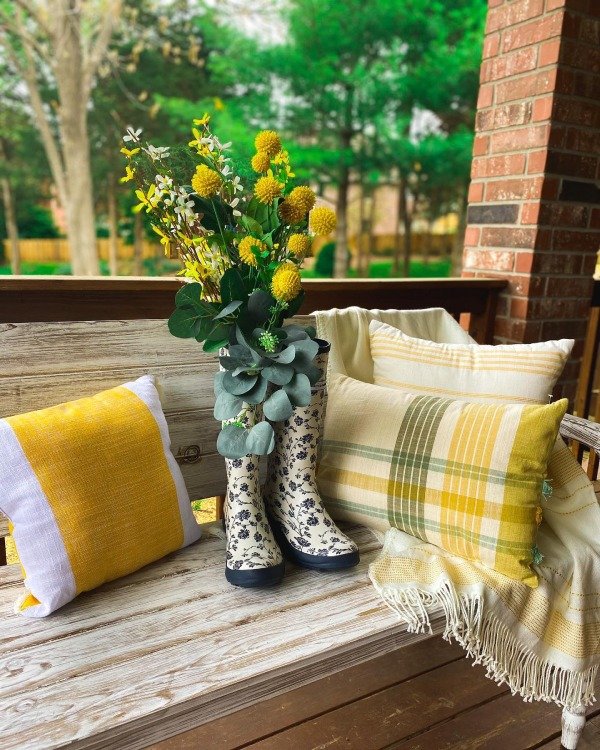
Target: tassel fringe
[489,642]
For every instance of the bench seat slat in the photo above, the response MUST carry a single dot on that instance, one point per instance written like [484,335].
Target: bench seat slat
[191,658]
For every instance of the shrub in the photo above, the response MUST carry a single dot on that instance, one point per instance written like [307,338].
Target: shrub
[325,259]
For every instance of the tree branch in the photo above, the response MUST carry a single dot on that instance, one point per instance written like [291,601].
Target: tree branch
[100,45]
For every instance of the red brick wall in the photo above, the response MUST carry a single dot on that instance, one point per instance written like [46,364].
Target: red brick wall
[534,200]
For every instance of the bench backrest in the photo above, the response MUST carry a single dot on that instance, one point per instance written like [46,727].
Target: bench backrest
[43,364]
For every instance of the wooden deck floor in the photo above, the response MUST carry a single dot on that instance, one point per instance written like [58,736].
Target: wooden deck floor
[426,696]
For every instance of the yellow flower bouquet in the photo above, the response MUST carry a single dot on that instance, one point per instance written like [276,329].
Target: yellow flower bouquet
[241,249]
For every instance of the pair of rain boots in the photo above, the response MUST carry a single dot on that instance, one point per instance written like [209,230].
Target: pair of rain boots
[287,519]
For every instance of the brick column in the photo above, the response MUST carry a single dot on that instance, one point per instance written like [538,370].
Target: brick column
[534,200]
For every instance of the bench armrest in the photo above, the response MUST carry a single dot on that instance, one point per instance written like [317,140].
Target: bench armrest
[582,430]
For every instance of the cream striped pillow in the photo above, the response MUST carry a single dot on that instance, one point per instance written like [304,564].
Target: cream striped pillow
[464,476]
[515,373]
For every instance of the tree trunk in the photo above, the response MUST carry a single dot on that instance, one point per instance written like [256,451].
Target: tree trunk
[340,266]
[138,244]
[372,223]
[407,221]
[397,233]
[11,225]
[113,231]
[73,98]
[459,240]
[362,225]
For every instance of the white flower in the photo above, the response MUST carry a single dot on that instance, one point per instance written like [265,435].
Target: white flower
[236,183]
[225,146]
[164,182]
[226,170]
[132,135]
[236,212]
[157,152]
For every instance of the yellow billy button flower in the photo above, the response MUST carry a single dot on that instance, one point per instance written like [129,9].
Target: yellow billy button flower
[245,250]
[322,220]
[267,189]
[299,245]
[286,284]
[268,141]
[206,182]
[261,162]
[303,197]
[291,213]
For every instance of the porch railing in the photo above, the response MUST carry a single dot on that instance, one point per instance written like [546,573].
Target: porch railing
[51,298]
[587,398]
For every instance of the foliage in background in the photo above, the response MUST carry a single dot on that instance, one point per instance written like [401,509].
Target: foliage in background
[377,92]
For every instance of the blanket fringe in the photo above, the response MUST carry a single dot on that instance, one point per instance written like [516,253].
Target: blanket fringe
[489,642]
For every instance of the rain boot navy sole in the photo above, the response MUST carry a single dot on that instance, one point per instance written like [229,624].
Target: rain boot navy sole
[323,563]
[256,578]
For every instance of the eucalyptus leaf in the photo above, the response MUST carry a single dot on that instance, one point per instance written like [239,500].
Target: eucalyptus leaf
[188,294]
[213,346]
[233,286]
[286,356]
[228,309]
[227,406]
[308,347]
[229,363]
[258,393]
[278,374]
[298,390]
[261,439]
[257,309]
[240,384]
[182,322]
[232,441]
[293,306]
[218,382]
[278,406]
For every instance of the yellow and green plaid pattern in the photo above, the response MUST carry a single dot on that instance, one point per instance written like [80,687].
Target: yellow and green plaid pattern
[466,477]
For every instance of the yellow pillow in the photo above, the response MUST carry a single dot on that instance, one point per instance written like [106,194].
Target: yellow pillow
[467,477]
[92,491]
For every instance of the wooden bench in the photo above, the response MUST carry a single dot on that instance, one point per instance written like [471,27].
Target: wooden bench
[172,646]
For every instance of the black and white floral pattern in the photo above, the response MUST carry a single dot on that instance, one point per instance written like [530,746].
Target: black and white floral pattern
[250,541]
[291,493]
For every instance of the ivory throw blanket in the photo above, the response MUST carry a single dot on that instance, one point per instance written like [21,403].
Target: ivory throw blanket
[544,642]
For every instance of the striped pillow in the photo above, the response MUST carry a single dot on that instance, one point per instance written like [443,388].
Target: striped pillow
[92,492]
[516,373]
[464,476]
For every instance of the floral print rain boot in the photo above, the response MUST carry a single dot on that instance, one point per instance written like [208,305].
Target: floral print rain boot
[253,558]
[302,525]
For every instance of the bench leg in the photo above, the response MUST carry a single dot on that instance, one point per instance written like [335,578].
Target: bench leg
[572,726]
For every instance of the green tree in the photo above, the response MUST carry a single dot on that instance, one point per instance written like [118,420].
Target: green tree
[332,71]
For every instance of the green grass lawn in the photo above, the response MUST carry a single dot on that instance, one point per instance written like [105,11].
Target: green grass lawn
[382,269]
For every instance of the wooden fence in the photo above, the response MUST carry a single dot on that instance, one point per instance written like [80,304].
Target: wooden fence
[57,250]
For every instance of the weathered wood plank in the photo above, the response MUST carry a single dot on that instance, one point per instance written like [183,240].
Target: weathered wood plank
[581,430]
[75,689]
[28,349]
[390,715]
[589,740]
[170,617]
[160,585]
[194,680]
[299,705]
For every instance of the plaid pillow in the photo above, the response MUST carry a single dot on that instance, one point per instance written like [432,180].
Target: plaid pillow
[464,476]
